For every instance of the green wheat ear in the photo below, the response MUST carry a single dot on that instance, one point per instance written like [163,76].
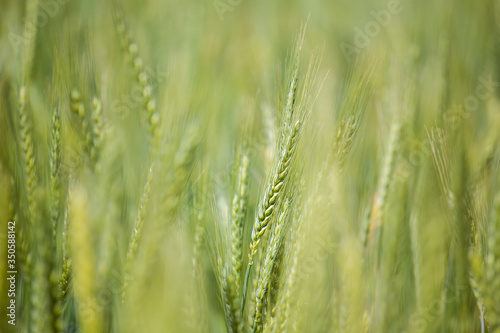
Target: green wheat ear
[78,108]
[384,182]
[65,278]
[55,177]
[271,198]
[97,124]
[268,266]
[232,273]
[296,109]
[183,160]
[272,195]
[351,111]
[137,231]
[143,79]
[27,151]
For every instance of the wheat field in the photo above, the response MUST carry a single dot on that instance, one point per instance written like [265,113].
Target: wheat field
[250,166]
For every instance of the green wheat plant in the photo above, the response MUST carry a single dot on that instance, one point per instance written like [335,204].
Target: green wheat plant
[225,166]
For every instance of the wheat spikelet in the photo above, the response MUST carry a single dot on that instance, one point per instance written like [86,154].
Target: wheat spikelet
[477,278]
[275,281]
[27,151]
[136,233]
[97,134]
[349,115]
[292,87]
[220,247]
[55,186]
[253,289]
[131,48]
[40,309]
[272,194]
[268,266]
[233,316]
[40,312]
[196,309]
[181,167]
[29,178]
[232,274]
[270,200]
[78,108]
[65,278]
[30,181]
[289,136]
[282,312]
[57,307]
[345,138]
[55,165]
[238,216]
[384,180]
[45,309]
[283,317]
